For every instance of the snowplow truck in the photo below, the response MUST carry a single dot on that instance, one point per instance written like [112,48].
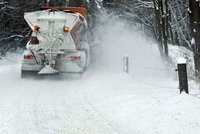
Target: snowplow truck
[58,42]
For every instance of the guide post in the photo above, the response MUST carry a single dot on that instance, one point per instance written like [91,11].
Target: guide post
[182,74]
[126,64]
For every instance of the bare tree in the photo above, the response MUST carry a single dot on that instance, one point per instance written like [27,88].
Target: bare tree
[13,27]
[194,12]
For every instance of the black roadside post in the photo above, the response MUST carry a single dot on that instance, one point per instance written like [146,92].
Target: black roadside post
[182,74]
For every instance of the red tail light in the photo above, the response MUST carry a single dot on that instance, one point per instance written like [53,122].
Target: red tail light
[28,56]
[35,28]
[74,58]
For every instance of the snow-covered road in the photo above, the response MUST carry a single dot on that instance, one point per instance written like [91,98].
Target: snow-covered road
[43,106]
[96,104]
[105,100]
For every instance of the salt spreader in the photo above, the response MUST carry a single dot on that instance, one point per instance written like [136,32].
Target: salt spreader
[58,42]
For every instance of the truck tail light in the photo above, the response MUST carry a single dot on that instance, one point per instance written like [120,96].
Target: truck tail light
[35,28]
[74,58]
[28,56]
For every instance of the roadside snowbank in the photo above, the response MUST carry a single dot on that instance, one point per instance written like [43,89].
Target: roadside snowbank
[178,51]
[131,107]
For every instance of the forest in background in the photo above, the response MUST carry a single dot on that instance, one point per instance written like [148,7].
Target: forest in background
[165,21]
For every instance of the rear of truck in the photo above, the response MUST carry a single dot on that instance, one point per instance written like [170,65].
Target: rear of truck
[58,42]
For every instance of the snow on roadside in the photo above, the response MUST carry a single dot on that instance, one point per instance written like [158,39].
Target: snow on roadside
[10,58]
[178,51]
[134,108]
[145,101]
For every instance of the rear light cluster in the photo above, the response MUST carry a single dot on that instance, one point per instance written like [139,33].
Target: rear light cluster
[74,58]
[28,56]
[35,28]
[65,29]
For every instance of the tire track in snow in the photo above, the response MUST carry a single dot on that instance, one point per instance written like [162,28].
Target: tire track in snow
[61,110]
[101,116]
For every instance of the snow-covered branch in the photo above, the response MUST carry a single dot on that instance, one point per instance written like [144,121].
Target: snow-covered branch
[13,36]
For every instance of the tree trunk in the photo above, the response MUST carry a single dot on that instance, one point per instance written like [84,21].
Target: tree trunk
[170,28]
[195,30]
[164,23]
[158,25]
[161,11]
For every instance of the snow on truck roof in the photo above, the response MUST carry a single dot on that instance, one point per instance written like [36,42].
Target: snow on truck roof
[67,15]
[41,17]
